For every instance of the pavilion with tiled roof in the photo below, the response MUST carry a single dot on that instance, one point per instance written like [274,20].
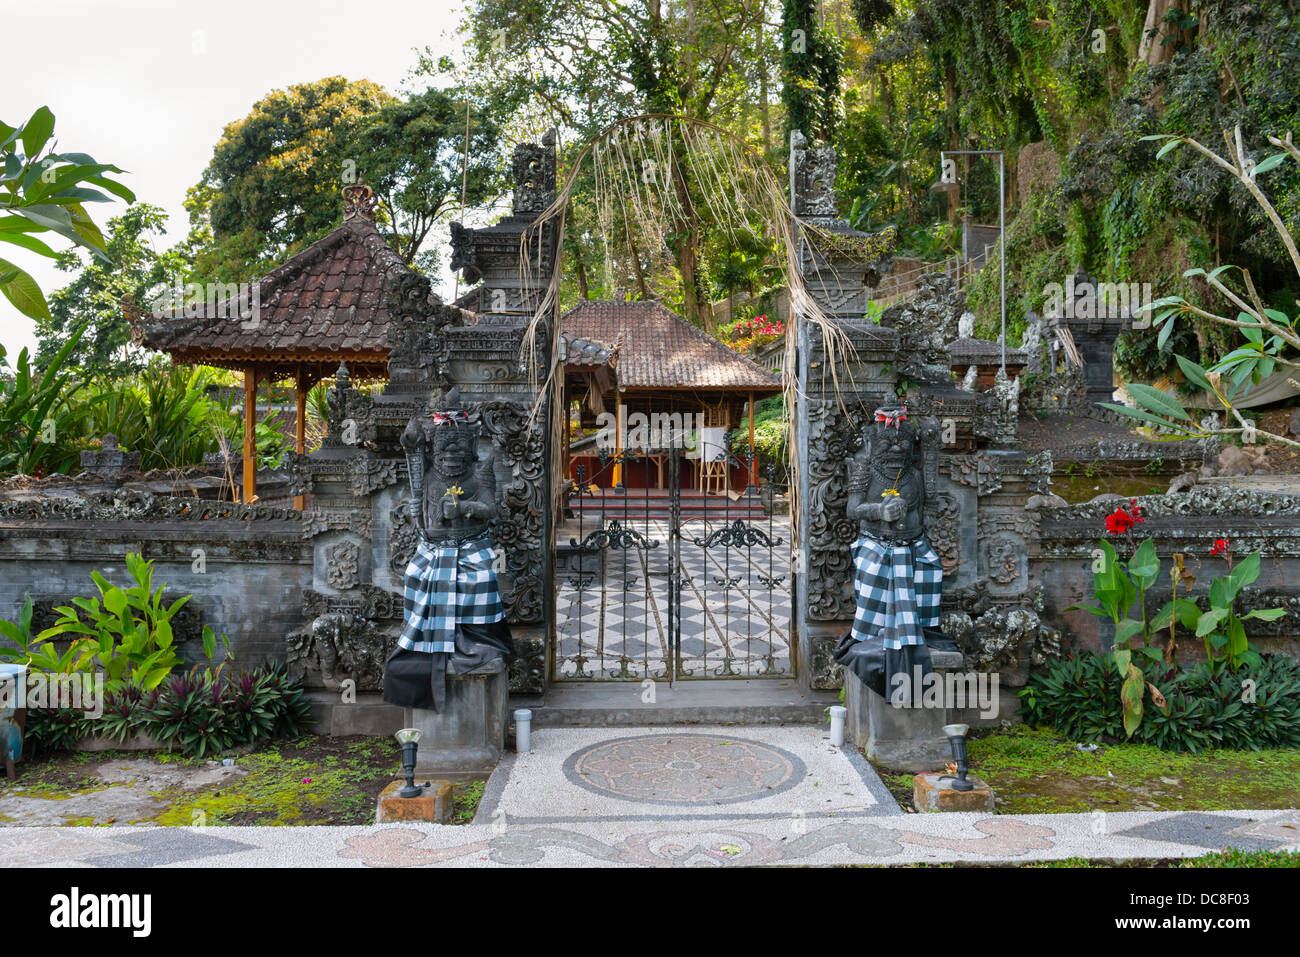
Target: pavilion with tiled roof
[324,306]
[666,364]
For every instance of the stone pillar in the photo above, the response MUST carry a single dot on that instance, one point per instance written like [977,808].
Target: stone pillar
[839,276]
[903,739]
[465,740]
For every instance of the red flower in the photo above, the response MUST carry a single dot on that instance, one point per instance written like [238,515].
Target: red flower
[1220,546]
[1119,522]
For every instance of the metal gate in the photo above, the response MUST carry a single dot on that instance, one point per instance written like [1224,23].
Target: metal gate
[681,576]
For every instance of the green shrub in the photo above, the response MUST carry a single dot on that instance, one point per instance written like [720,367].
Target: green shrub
[288,705]
[1205,706]
[196,713]
[189,714]
[53,729]
[128,636]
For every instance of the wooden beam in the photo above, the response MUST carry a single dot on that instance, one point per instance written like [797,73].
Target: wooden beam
[250,433]
[300,431]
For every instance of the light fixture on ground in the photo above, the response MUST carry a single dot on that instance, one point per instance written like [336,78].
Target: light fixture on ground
[409,739]
[957,738]
[838,711]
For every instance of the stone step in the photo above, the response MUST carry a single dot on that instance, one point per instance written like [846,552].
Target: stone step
[696,702]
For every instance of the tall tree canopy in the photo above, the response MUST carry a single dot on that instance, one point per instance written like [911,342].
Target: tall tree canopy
[273,183]
[586,63]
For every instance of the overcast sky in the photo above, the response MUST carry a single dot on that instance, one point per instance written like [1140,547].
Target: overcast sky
[149,84]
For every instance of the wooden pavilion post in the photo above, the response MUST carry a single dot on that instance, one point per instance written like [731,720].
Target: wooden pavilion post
[300,427]
[568,428]
[250,430]
[617,481]
[753,463]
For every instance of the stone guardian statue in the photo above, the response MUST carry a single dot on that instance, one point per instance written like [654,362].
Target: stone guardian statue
[897,574]
[454,622]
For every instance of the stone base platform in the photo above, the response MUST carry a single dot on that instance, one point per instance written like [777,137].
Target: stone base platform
[434,805]
[934,792]
[904,739]
[721,701]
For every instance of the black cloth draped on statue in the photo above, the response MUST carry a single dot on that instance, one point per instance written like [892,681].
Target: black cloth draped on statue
[418,679]
[876,666]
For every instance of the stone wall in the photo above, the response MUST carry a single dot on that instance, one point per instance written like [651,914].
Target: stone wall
[246,566]
[1188,523]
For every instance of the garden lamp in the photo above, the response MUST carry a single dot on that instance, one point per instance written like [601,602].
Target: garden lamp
[957,738]
[409,738]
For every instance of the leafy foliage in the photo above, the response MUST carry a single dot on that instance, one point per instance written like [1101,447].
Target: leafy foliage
[272,185]
[36,418]
[811,60]
[273,182]
[196,713]
[43,192]
[1207,706]
[126,632]
[92,301]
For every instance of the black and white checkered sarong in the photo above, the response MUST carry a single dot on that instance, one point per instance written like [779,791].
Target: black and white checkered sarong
[898,588]
[446,584]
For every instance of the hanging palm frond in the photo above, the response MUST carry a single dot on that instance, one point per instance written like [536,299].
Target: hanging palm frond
[654,175]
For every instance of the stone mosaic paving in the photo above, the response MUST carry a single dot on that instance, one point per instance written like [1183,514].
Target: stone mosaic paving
[735,609]
[893,839]
[712,797]
[698,773]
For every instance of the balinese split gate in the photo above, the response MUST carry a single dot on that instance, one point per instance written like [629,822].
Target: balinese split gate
[673,540]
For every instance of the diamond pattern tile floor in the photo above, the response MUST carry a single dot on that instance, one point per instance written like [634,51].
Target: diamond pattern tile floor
[735,611]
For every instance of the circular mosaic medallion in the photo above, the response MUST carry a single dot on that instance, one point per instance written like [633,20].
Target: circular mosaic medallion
[684,769]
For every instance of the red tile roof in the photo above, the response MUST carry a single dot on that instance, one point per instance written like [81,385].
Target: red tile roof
[326,301]
[658,349]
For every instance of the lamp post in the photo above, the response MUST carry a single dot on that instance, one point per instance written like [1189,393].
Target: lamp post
[947,183]
[957,739]
[409,738]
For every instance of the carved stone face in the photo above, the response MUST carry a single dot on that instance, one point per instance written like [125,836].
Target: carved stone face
[454,451]
[891,448]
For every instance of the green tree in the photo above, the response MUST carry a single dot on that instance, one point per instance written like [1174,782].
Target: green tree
[810,72]
[590,62]
[413,154]
[91,305]
[272,185]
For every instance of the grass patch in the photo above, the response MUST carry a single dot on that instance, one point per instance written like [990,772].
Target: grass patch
[1232,857]
[312,779]
[466,798]
[309,780]
[1035,770]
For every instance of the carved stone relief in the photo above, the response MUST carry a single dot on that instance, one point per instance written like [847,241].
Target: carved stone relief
[342,564]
